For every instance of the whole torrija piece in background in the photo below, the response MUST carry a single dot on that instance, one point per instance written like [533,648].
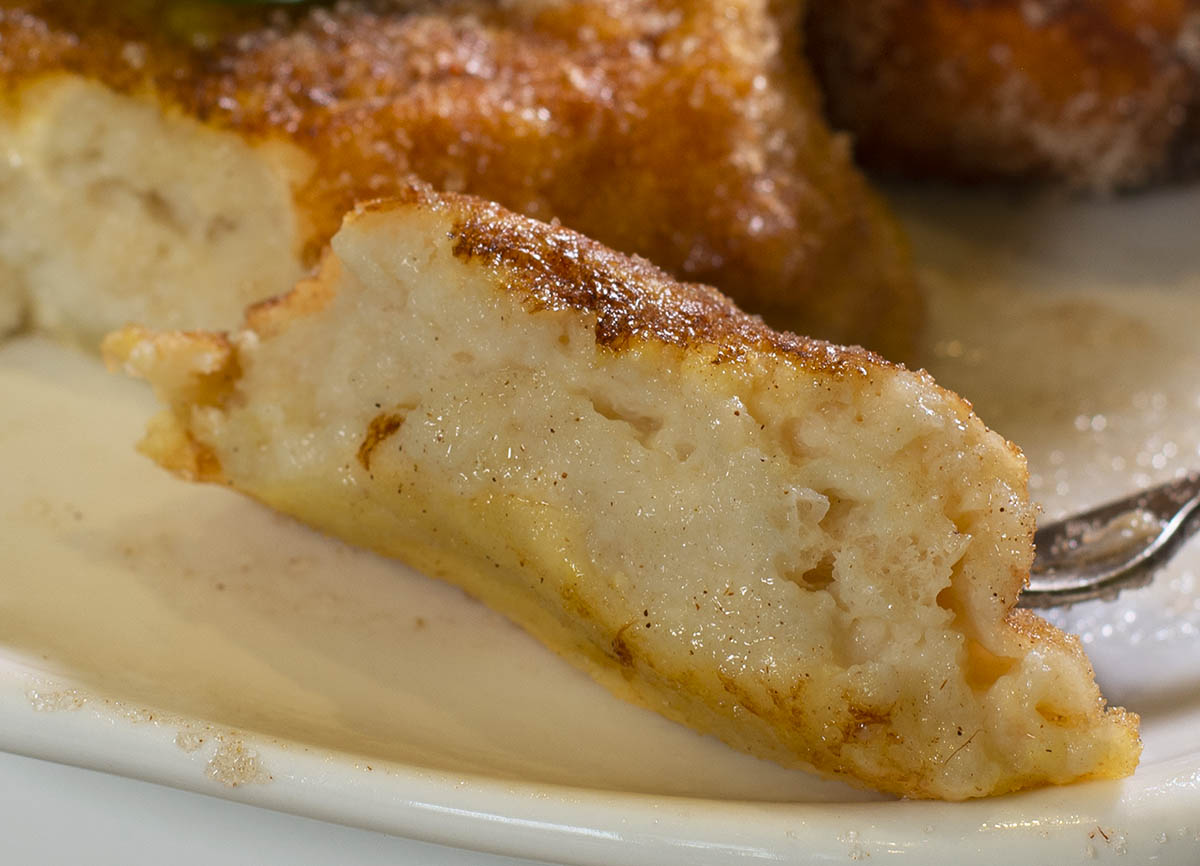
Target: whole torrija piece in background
[172,161]
[1102,94]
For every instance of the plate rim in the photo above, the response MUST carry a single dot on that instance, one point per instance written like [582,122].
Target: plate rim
[1141,816]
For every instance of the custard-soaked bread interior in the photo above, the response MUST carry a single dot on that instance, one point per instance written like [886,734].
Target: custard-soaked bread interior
[172,161]
[800,548]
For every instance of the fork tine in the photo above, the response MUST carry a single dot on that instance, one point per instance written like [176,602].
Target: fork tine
[1116,546]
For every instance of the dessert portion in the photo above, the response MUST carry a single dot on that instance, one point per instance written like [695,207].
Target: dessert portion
[799,548]
[1100,95]
[172,161]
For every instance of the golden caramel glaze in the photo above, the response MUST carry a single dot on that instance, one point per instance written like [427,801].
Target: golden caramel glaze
[685,131]
[1095,93]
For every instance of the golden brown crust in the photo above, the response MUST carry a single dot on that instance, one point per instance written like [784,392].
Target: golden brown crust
[554,268]
[1097,93]
[269,316]
[675,129]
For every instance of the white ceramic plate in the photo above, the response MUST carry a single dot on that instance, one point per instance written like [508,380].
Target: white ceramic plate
[181,634]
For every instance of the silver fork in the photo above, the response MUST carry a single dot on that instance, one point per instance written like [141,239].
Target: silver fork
[1116,546]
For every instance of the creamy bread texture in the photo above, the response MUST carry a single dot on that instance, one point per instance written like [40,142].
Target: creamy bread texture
[113,212]
[799,548]
[169,161]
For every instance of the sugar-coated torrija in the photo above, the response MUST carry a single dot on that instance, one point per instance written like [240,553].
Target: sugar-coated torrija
[800,548]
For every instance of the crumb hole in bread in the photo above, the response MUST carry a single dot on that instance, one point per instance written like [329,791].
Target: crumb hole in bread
[985,667]
[947,600]
[1052,715]
[818,577]
[792,442]
[564,337]
[836,515]
[827,511]
[644,426]
[159,209]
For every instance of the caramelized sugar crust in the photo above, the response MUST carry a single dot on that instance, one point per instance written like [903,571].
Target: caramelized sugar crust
[683,131]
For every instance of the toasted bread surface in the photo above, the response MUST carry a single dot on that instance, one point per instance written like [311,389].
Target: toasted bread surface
[799,548]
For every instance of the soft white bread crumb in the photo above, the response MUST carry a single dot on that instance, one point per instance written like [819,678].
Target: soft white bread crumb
[113,210]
